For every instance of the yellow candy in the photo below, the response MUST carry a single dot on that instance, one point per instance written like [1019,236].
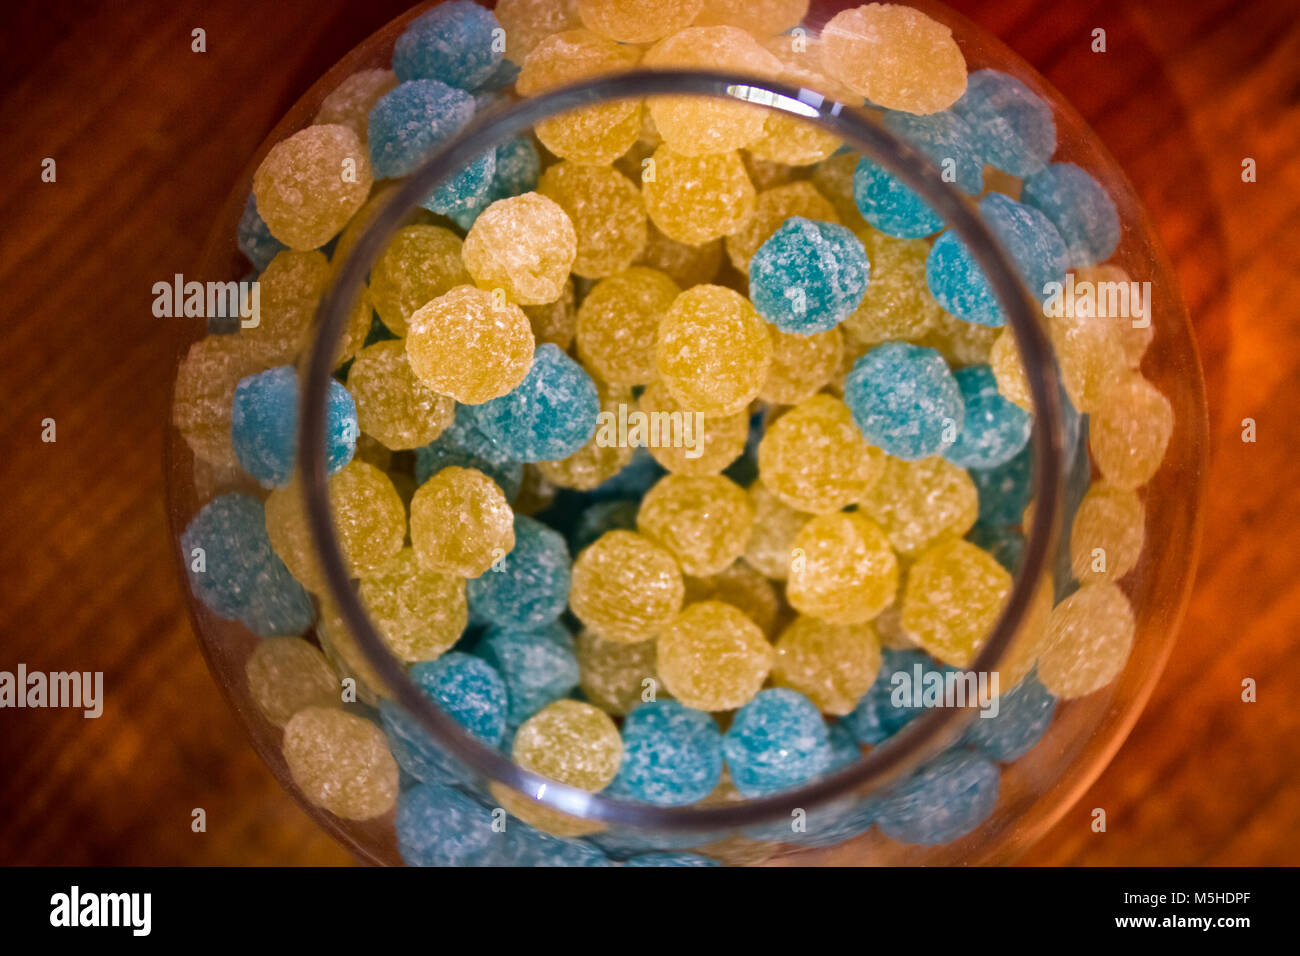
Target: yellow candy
[286,674]
[742,587]
[1107,534]
[842,569]
[357,329]
[350,103]
[290,289]
[542,817]
[617,677]
[713,657]
[1008,372]
[952,599]
[802,66]
[898,305]
[556,322]
[420,264]
[704,521]
[895,56]
[341,762]
[716,440]
[470,345]
[419,613]
[772,208]
[524,245]
[765,174]
[392,404]
[1090,355]
[713,350]
[961,343]
[571,743]
[601,458]
[637,21]
[205,389]
[814,458]
[310,184]
[917,502]
[382,195]
[618,323]
[888,623]
[1089,636]
[832,665]
[607,213]
[775,526]
[696,199]
[1029,639]
[536,492]
[834,179]
[461,523]
[1133,341]
[528,22]
[341,649]
[794,141]
[685,264]
[625,588]
[801,365]
[1129,433]
[759,17]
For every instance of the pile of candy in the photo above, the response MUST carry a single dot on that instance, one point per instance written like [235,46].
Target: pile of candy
[720,615]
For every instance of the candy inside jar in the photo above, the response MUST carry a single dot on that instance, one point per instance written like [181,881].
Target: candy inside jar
[677,446]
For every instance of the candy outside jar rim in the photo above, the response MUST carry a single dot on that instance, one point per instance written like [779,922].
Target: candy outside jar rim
[919,739]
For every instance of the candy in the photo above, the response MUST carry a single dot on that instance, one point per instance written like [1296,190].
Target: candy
[713,350]
[340,762]
[777,741]
[599,459]
[528,22]
[456,42]
[801,365]
[953,596]
[625,588]
[607,213]
[469,345]
[960,343]
[530,585]
[524,245]
[619,514]
[1004,491]
[891,205]
[1089,635]
[439,826]
[947,141]
[1007,545]
[411,121]
[538,667]
[808,276]
[618,322]
[392,404]
[420,264]
[742,587]
[843,570]
[550,415]
[897,304]
[833,178]
[896,57]
[1129,433]
[1080,209]
[882,711]
[291,289]
[556,322]
[772,208]
[993,430]
[1089,353]
[614,676]
[517,168]
[637,21]
[671,859]
[704,521]
[789,139]
[358,676]
[572,743]
[759,17]
[1024,713]
[775,527]
[286,675]
[696,199]
[205,390]
[1133,338]
[310,184]
[947,798]
[813,458]
[419,613]
[686,264]
[1013,128]
[713,657]
[672,755]
[464,446]
[1107,535]
[353,99]
[254,238]
[709,443]
[905,400]
[833,665]
[1004,360]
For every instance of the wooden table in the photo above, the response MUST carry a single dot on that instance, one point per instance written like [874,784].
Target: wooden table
[148,137]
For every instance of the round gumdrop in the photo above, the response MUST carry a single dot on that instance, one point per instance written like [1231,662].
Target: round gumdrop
[470,345]
[637,21]
[1080,209]
[394,406]
[801,365]
[286,674]
[607,213]
[704,521]
[742,587]
[464,446]
[1013,127]
[538,666]
[833,665]
[352,100]
[410,121]
[772,207]
[775,527]
[814,459]
[713,657]
[696,199]
[947,141]
[672,755]
[625,588]
[905,400]
[809,276]
[614,676]
[947,798]
[618,323]
[204,394]
[340,762]
[842,569]
[709,443]
[454,42]
[890,205]
[529,586]
[1089,636]
[309,185]
[419,264]
[570,742]
[1107,534]
[1128,435]
[954,594]
[777,741]
[918,502]
[419,613]
[524,245]
[993,430]
[713,350]
[898,304]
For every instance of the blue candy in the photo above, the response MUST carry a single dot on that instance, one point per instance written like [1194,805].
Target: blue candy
[1080,209]
[1024,714]
[1036,249]
[439,826]
[517,167]
[464,190]
[601,517]
[237,575]
[459,43]
[1005,489]
[946,799]
[904,399]
[527,846]
[776,742]
[506,72]
[537,667]
[464,446]
[844,747]
[254,237]
[882,712]
[672,859]
[410,121]
[890,205]
[264,425]
[622,843]
[809,276]
[947,141]
[1013,128]
[550,415]
[672,755]
[994,430]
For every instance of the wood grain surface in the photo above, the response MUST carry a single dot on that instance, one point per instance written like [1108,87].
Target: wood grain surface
[149,137]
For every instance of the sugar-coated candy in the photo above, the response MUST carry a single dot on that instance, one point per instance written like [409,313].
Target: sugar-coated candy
[801,365]
[709,443]
[625,588]
[538,666]
[905,400]
[947,798]
[696,199]
[890,205]
[961,343]
[833,665]
[254,237]
[438,825]
[1036,250]
[1089,635]
[607,213]
[993,430]
[882,711]
[671,859]
[392,405]
[636,478]
[808,276]
[1080,209]
[1013,127]
[1107,534]
[618,322]
[291,289]
[615,676]
[530,585]
[555,322]
[286,674]
[704,521]
[528,22]
[603,456]
[793,140]
[419,613]
[339,645]
[952,598]
[548,416]
[618,514]
[517,167]
[1134,335]
[842,570]
[524,245]
[411,121]
[455,42]
[264,425]
[772,208]
[419,264]
[464,446]
[528,846]
[572,743]
[713,657]
[340,762]
[713,350]
[897,304]
[672,755]
[1005,490]
[469,345]
[352,100]
[1024,713]
[1008,371]
[814,459]
[1128,434]
[775,527]
[895,56]
[204,395]
[759,17]
[777,741]
[310,184]
[637,21]
[742,587]
[687,264]
[945,139]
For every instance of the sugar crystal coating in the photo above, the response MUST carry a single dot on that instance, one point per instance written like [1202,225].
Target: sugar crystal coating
[392,404]
[953,596]
[555,322]
[946,799]
[687,264]
[1089,351]
[1024,713]
[704,521]
[905,400]
[625,588]
[286,675]
[881,712]
[538,666]
[607,213]
[708,443]
[792,140]
[776,742]
[833,178]
[842,569]
[897,304]
[832,664]
[517,166]
[672,755]
[809,276]
[713,657]
[637,21]
[696,199]
[291,289]
[890,205]
[530,585]
[742,587]
[205,390]
[1008,371]
[454,42]
[1134,335]
[465,446]
[947,141]
[420,264]
[713,350]
[814,459]
[772,207]
[412,120]
[615,676]
[310,184]
[469,345]
[438,825]
[528,22]
[1130,432]
[1079,207]
[1005,490]
[419,613]
[993,430]
[460,523]
[775,527]
[1107,535]
[352,100]
[572,743]
[801,365]
[341,763]
[1088,641]
[524,245]
[603,456]
[618,323]
[1014,129]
